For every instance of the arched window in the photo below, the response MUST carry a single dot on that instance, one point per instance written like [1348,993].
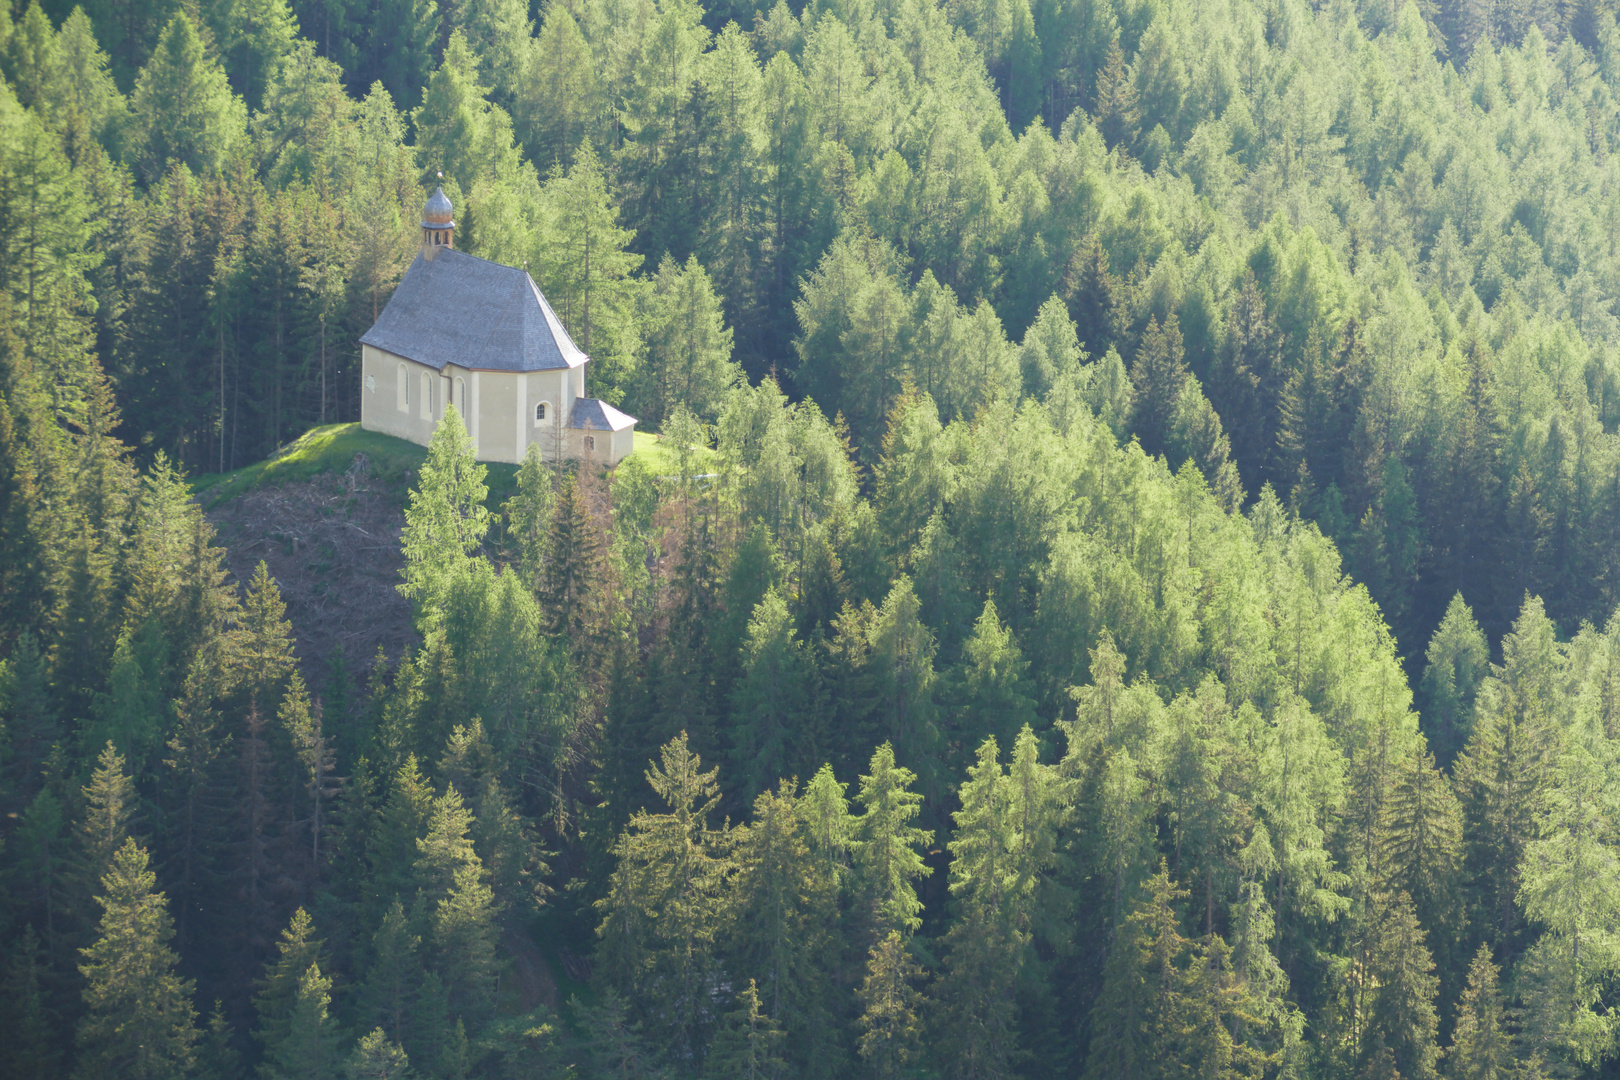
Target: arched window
[402,390]
[461,397]
[427,395]
[590,444]
[542,413]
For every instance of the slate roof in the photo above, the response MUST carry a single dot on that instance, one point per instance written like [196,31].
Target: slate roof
[459,309]
[595,415]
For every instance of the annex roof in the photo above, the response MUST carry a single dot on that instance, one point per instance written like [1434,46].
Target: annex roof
[459,309]
[594,414]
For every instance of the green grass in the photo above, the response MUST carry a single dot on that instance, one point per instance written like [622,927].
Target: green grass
[330,448]
[659,457]
[393,463]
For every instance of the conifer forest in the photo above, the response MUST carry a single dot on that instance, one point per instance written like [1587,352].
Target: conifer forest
[1128,587]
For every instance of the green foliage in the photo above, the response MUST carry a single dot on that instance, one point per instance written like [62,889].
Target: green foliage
[183,107]
[138,1020]
[1162,370]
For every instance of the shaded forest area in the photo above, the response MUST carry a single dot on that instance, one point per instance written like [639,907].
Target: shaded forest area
[1144,609]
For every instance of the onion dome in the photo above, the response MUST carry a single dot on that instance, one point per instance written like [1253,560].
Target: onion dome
[438,213]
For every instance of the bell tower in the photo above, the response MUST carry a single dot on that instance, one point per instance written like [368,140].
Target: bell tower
[438,223]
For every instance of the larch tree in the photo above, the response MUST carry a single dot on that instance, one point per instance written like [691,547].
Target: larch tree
[446,520]
[183,106]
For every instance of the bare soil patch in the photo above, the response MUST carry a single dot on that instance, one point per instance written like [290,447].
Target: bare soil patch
[332,544]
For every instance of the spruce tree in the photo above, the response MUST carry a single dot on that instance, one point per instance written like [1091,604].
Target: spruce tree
[376,1058]
[573,569]
[277,993]
[31,1049]
[308,1051]
[264,650]
[886,847]
[1118,114]
[768,703]
[890,1027]
[388,992]
[1402,1020]
[1481,1047]
[110,806]
[1420,850]
[902,659]
[1158,375]
[661,915]
[747,1045]
[527,516]
[1092,292]
[138,1023]
[1457,662]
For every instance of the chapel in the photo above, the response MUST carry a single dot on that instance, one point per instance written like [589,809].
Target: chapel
[469,332]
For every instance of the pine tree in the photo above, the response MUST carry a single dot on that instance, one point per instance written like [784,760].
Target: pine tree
[138,1021]
[889,1023]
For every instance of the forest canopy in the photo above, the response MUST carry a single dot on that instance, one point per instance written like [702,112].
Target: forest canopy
[1128,588]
